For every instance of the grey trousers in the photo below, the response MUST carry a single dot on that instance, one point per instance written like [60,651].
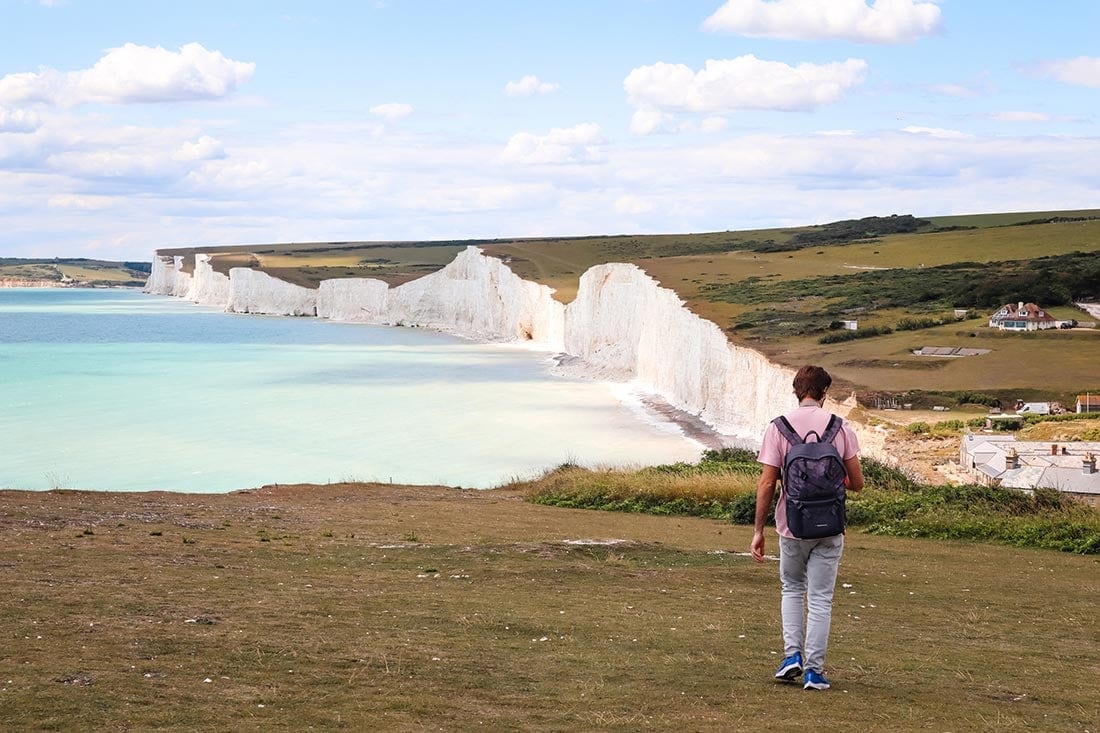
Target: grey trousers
[807,570]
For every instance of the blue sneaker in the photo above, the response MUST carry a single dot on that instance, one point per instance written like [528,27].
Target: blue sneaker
[790,668]
[814,680]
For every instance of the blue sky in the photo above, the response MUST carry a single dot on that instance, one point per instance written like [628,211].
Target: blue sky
[128,126]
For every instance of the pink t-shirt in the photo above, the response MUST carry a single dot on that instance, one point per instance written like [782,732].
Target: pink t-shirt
[803,420]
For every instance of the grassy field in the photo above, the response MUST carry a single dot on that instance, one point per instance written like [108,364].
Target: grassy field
[81,271]
[369,607]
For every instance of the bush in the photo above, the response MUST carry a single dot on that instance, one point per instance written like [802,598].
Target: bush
[914,324]
[721,486]
[975,398]
[918,428]
[841,336]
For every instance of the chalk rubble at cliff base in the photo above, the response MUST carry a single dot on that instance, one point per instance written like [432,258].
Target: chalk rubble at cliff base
[622,323]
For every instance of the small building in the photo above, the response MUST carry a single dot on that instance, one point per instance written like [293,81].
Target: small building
[1022,317]
[1001,460]
[1088,402]
[850,325]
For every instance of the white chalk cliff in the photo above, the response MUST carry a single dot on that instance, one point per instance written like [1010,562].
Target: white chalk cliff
[252,291]
[622,324]
[207,286]
[474,296]
[168,278]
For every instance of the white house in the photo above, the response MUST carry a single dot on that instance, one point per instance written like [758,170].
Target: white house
[1022,317]
[1088,402]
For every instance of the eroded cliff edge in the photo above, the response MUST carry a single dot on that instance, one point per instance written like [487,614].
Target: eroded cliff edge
[622,325]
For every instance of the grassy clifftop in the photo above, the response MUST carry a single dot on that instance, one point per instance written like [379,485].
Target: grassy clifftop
[78,270]
[372,607]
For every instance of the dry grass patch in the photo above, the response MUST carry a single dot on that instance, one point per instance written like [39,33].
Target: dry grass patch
[1087,429]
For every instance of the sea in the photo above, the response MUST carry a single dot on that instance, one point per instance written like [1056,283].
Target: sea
[113,389]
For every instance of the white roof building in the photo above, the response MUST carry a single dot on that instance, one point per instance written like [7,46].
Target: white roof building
[1001,460]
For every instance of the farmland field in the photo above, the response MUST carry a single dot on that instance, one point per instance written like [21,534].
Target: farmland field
[80,270]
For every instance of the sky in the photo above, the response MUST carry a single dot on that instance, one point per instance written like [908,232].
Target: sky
[126,126]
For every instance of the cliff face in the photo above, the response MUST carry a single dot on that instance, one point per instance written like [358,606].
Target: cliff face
[474,296]
[208,286]
[252,291]
[623,324]
[167,278]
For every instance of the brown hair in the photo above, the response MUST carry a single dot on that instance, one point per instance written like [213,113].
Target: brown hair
[811,381]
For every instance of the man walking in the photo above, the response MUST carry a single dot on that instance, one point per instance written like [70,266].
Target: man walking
[807,567]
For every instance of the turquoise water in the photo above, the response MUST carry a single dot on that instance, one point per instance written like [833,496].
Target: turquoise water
[114,389]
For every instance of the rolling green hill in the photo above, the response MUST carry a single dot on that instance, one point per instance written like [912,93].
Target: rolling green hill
[77,270]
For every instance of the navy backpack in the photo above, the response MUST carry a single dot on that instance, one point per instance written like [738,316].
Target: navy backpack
[813,478]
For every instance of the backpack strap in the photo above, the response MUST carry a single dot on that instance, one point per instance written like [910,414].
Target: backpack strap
[787,431]
[831,429]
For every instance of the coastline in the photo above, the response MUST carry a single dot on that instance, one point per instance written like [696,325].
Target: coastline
[55,285]
[412,404]
[622,326]
[690,425]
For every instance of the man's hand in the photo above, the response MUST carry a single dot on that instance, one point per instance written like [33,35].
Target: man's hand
[757,546]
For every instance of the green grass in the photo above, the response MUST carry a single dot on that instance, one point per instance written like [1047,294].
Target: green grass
[83,271]
[722,486]
[1008,219]
[668,628]
[1052,281]
[719,484]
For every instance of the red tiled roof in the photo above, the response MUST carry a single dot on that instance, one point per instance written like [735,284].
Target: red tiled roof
[1030,311]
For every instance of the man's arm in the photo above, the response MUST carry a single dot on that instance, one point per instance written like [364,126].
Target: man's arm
[855,474]
[765,492]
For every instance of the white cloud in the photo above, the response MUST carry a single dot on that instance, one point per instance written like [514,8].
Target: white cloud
[712,125]
[577,144]
[883,21]
[1082,71]
[311,183]
[745,82]
[89,148]
[649,120]
[528,85]
[205,148]
[1018,116]
[234,175]
[955,90]
[933,131]
[80,202]
[392,111]
[18,120]
[630,204]
[132,73]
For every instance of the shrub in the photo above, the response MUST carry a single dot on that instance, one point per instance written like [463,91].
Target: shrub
[914,324]
[975,398]
[918,428]
[863,333]
[721,486]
